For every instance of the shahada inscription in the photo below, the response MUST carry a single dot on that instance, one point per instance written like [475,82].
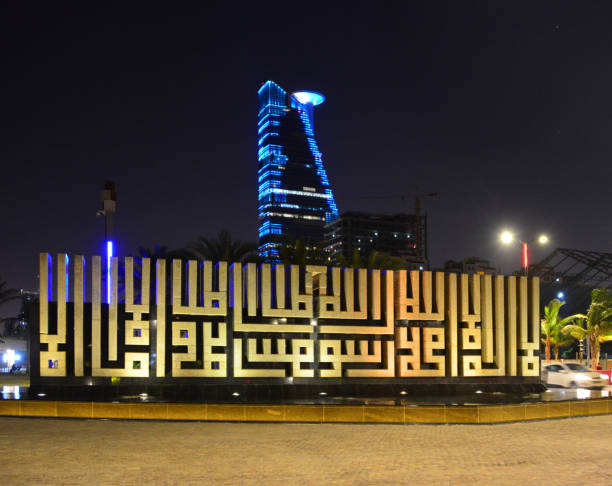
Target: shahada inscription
[174,319]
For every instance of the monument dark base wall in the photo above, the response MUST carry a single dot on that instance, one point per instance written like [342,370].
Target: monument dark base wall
[253,392]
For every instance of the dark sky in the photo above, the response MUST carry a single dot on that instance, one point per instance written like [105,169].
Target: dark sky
[503,108]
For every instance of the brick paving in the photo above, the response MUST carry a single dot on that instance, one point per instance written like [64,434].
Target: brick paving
[56,451]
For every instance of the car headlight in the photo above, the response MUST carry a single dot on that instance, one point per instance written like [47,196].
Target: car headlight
[603,377]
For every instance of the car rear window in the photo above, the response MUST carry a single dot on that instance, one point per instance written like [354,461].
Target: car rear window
[576,367]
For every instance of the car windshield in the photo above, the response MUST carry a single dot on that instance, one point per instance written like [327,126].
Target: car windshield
[576,367]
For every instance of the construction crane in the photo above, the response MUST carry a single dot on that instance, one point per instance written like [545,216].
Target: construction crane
[419,227]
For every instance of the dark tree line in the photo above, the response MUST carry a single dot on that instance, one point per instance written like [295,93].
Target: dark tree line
[10,325]
[292,252]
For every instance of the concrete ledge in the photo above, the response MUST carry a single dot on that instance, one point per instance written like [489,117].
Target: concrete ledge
[75,409]
[187,411]
[37,409]
[303,413]
[111,410]
[9,408]
[424,415]
[369,414]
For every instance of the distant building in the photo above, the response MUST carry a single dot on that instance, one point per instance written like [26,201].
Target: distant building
[393,234]
[471,266]
[295,198]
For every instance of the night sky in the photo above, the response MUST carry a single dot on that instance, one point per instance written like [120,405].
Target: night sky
[503,108]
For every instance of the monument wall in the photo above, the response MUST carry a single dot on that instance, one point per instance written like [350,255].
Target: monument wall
[165,322]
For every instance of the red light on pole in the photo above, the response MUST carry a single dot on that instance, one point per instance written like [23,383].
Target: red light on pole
[506,237]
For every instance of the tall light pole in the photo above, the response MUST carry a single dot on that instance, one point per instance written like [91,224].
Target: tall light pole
[507,238]
[109,205]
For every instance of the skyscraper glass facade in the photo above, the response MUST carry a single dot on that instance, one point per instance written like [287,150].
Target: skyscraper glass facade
[295,198]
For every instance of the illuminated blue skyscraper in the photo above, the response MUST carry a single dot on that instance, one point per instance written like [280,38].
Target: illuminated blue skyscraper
[295,199]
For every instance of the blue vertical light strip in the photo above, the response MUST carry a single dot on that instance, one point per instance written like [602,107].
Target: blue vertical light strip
[67,274]
[109,256]
[332,214]
[273,107]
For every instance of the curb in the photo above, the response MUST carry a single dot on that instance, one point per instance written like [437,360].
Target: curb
[367,414]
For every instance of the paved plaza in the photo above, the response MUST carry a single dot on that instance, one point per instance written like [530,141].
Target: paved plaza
[56,451]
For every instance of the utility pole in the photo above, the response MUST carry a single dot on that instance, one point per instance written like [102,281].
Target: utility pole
[588,350]
[419,226]
[109,205]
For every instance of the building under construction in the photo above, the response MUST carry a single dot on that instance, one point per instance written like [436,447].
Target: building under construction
[399,235]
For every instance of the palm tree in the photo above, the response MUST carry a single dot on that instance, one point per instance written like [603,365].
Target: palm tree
[384,261]
[293,253]
[372,260]
[551,327]
[158,252]
[558,340]
[7,294]
[162,252]
[223,249]
[596,326]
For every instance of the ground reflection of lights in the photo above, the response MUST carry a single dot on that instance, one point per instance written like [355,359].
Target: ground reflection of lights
[582,393]
[9,392]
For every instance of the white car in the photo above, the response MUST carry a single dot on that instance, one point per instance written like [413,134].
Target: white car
[572,375]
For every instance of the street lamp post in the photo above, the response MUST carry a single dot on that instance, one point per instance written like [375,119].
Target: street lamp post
[507,237]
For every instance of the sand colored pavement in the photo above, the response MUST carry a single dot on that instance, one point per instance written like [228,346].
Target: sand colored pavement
[68,451]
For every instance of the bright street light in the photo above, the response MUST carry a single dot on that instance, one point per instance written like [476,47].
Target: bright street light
[507,237]
[10,357]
